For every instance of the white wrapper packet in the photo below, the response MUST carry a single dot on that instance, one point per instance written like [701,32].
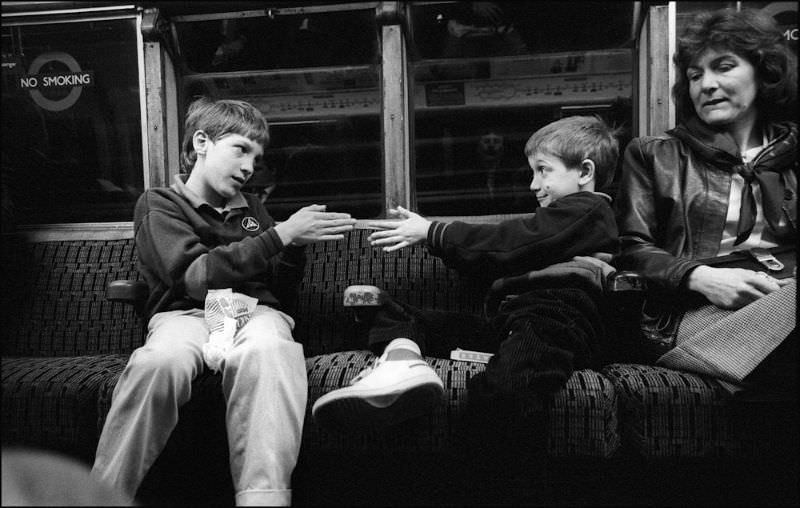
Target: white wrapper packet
[226,313]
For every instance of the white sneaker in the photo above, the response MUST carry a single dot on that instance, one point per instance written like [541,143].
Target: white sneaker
[386,393]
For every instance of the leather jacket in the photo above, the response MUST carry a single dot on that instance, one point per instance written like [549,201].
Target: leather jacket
[671,209]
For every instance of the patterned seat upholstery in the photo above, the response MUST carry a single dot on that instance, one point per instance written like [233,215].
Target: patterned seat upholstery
[667,413]
[62,339]
[582,416]
[54,298]
[411,275]
[64,346]
[51,402]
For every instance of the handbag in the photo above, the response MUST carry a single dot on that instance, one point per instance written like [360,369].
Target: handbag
[662,313]
[778,262]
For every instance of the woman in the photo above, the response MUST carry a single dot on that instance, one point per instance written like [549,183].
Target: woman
[724,179]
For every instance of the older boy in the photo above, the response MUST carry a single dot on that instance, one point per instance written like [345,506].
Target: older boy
[539,337]
[205,234]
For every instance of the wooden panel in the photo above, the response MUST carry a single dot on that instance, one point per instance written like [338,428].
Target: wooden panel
[396,120]
[75,232]
[155,100]
[656,45]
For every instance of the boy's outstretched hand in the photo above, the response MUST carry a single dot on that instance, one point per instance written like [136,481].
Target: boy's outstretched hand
[412,229]
[312,224]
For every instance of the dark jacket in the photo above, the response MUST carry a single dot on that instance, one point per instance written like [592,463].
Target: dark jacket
[181,242]
[671,209]
[575,225]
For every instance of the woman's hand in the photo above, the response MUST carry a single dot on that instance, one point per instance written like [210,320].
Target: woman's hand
[599,259]
[732,288]
[413,229]
[312,223]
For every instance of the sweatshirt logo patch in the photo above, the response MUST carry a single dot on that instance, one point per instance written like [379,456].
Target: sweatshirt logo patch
[250,224]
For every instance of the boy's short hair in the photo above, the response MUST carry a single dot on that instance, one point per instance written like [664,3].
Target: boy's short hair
[576,138]
[220,118]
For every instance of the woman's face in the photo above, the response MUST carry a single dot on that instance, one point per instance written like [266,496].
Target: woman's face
[723,88]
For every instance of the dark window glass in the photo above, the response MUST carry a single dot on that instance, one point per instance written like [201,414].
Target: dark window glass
[316,79]
[489,74]
[72,149]
[685,11]
[279,41]
[334,162]
[481,29]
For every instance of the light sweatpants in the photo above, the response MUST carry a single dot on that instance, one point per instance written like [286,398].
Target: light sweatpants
[265,387]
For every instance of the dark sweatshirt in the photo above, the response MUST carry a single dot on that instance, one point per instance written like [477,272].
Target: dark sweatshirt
[578,224]
[185,247]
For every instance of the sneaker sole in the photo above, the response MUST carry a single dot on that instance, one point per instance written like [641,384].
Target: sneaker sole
[365,408]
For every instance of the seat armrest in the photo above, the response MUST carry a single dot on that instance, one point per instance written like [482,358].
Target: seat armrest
[626,291]
[128,291]
[364,300]
[364,296]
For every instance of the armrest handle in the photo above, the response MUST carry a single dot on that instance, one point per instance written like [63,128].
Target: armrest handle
[364,296]
[625,281]
[364,300]
[128,291]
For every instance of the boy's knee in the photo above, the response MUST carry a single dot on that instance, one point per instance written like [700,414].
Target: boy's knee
[265,346]
[154,364]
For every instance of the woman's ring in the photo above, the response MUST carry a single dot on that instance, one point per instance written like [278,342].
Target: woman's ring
[766,276]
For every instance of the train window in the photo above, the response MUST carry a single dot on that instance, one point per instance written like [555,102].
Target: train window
[488,74]
[276,39]
[784,13]
[481,29]
[72,133]
[315,74]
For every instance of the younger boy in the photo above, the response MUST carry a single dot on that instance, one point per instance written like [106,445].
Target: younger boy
[205,234]
[539,337]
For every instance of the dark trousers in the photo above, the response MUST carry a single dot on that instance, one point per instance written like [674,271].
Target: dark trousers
[538,339]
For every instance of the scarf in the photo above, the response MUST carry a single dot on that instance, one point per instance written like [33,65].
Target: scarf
[719,148]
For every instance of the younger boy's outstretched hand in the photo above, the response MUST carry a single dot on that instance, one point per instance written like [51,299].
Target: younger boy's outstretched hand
[312,224]
[412,229]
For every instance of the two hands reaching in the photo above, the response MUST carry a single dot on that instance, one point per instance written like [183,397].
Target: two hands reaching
[313,223]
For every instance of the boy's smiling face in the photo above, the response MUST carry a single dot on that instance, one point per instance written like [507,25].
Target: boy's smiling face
[553,180]
[226,166]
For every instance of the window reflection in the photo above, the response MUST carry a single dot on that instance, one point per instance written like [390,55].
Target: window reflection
[480,29]
[471,164]
[279,41]
[488,74]
[315,76]
[336,162]
[71,123]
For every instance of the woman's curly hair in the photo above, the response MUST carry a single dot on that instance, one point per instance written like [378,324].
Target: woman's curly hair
[753,36]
